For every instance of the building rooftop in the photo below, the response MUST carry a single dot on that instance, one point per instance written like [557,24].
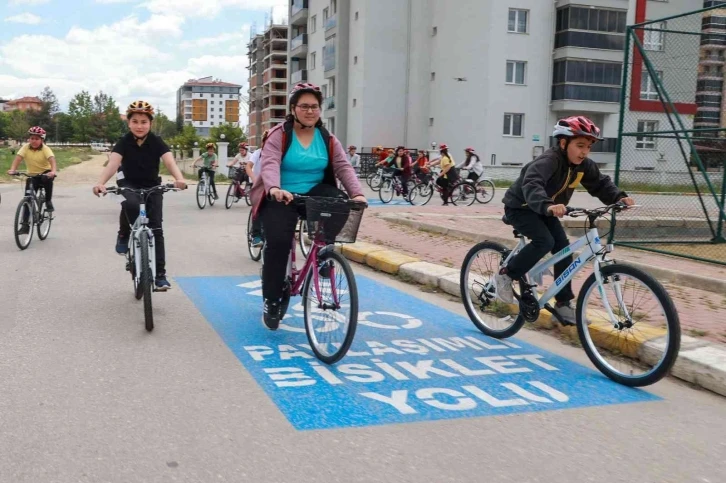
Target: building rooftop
[26,99]
[209,81]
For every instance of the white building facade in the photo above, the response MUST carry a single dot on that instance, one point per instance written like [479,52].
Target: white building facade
[207,102]
[488,74]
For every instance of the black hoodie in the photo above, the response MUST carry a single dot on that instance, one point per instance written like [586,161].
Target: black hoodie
[551,179]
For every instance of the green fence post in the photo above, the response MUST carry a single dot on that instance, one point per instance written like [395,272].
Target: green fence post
[621,121]
[722,214]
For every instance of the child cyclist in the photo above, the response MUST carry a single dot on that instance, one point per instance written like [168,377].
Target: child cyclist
[533,204]
[39,159]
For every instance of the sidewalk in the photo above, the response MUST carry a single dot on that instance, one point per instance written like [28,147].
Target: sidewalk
[443,235]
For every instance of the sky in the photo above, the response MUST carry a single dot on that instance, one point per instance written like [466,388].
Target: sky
[130,49]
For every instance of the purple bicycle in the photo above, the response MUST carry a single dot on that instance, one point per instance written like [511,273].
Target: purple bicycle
[326,281]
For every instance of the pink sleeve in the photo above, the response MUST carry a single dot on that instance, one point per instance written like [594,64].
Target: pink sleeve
[270,161]
[344,171]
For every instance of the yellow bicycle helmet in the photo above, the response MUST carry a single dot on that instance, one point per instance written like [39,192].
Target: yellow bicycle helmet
[142,107]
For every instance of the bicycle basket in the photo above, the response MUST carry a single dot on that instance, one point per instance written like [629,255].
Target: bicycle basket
[234,172]
[333,220]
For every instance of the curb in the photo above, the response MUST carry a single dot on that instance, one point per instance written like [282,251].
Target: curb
[685,279]
[699,362]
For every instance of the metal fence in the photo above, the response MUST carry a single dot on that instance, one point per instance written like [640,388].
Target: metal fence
[672,141]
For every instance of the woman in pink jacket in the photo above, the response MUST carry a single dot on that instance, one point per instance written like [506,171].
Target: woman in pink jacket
[300,157]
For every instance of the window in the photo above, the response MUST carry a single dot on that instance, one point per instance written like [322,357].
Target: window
[200,95]
[355,60]
[356,15]
[311,62]
[326,13]
[648,91]
[313,24]
[653,39]
[431,121]
[231,96]
[355,102]
[333,6]
[433,76]
[517,21]
[434,31]
[513,125]
[212,96]
[212,123]
[576,27]
[646,142]
[515,72]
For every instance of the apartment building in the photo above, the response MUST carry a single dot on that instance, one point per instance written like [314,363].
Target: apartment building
[208,102]
[268,54]
[489,74]
[710,91]
[27,103]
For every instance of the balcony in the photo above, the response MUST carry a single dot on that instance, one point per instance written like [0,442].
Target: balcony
[329,58]
[275,73]
[712,60]
[299,76]
[299,12]
[299,47]
[329,103]
[331,22]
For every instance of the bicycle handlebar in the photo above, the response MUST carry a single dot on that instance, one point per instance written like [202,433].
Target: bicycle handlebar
[26,175]
[574,212]
[162,187]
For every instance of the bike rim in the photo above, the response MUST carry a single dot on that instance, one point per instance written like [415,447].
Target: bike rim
[329,327]
[480,270]
[24,240]
[44,227]
[621,350]
[484,191]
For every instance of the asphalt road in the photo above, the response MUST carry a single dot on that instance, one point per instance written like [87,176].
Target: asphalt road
[89,396]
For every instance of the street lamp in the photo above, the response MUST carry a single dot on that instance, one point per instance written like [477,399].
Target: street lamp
[222,136]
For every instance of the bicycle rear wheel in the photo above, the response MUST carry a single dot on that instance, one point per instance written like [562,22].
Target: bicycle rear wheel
[302,237]
[248,187]
[45,218]
[485,191]
[643,345]
[202,193]
[421,194]
[146,280]
[231,195]
[330,326]
[255,252]
[479,293]
[24,220]
[386,191]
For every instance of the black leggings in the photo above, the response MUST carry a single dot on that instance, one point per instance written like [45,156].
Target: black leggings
[211,179]
[547,236]
[154,211]
[279,222]
[36,184]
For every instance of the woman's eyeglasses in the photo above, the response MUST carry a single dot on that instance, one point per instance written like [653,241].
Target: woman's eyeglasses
[309,108]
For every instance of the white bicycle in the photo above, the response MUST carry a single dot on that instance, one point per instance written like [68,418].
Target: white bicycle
[618,308]
[141,256]
[204,189]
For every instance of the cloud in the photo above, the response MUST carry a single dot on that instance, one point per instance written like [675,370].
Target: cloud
[234,41]
[230,63]
[26,3]
[27,18]
[208,8]
[116,1]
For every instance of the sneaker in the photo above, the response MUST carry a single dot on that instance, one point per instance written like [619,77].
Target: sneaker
[122,245]
[257,241]
[49,206]
[324,270]
[24,229]
[216,197]
[566,312]
[503,282]
[271,314]
[161,283]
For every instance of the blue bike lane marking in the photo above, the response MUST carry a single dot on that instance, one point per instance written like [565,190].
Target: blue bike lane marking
[410,361]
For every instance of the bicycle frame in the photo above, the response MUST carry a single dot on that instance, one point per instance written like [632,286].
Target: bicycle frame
[141,224]
[298,276]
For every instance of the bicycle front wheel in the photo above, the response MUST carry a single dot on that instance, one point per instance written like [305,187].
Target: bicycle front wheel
[44,222]
[146,280]
[386,191]
[201,194]
[485,191]
[421,194]
[231,195]
[641,344]
[24,224]
[332,317]
[479,292]
[463,194]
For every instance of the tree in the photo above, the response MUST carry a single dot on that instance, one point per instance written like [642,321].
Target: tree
[18,126]
[4,123]
[44,116]
[81,111]
[164,127]
[63,126]
[233,135]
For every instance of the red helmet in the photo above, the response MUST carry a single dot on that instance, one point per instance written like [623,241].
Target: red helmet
[37,131]
[243,145]
[469,150]
[577,126]
[351,147]
[443,146]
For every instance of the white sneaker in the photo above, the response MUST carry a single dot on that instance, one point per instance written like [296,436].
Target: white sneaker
[566,312]
[503,282]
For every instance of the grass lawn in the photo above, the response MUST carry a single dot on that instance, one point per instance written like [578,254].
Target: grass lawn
[64,157]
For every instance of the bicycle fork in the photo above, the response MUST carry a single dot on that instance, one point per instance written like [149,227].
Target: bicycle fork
[617,284]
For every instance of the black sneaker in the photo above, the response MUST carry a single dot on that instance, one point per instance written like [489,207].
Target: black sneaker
[271,314]
[122,245]
[49,206]
[161,284]
[24,229]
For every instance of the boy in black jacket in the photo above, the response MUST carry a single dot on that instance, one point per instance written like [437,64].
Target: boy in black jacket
[533,204]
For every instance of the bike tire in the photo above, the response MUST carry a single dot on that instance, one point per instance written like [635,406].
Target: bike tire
[201,194]
[146,281]
[385,194]
[376,182]
[466,194]
[302,233]
[424,193]
[231,195]
[255,252]
[485,190]
[43,229]
[138,293]
[28,205]
[340,263]
[248,200]
[466,294]
[673,340]
[210,197]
